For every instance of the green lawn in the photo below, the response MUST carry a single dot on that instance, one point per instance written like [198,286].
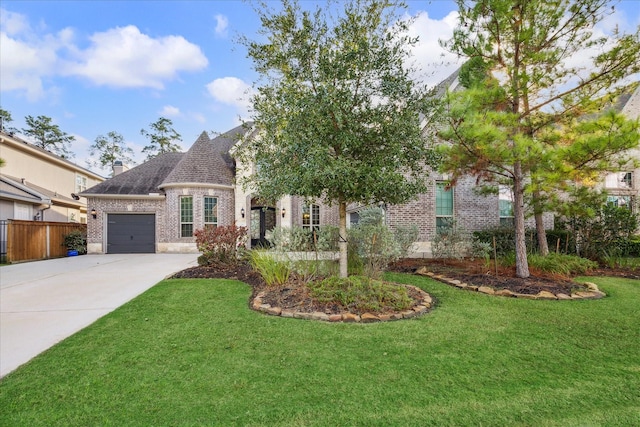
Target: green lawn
[190,352]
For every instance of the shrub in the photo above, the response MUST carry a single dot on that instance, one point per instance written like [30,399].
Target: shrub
[290,239]
[77,241]
[451,242]
[359,294]
[373,242]
[273,271]
[220,245]
[373,246]
[504,237]
[327,238]
[605,233]
[405,236]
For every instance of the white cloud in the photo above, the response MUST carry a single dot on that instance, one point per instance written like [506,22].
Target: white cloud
[170,111]
[433,62]
[118,57]
[25,59]
[222,22]
[124,57]
[13,23]
[231,91]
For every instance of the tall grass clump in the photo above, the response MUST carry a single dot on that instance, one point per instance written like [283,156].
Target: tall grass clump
[361,294]
[566,265]
[274,272]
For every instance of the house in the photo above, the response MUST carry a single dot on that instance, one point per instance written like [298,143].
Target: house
[38,185]
[623,187]
[157,206]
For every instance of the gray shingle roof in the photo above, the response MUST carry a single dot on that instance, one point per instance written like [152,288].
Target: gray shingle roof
[142,179]
[207,162]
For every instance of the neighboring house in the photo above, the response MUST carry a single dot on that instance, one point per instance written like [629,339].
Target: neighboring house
[623,187]
[38,185]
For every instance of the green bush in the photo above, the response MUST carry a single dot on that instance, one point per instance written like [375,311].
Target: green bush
[360,294]
[274,272]
[76,241]
[504,238]
[604,233]
[373,246]
[299,239]
[405,236]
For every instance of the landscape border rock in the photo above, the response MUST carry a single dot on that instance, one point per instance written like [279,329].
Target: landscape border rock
[592,293]
[424,304]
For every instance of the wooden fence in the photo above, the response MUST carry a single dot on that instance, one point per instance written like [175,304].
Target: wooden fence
[34,240]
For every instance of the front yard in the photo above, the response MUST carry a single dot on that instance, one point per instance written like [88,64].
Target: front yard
[191,352]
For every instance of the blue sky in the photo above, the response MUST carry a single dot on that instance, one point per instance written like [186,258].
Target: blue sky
[101,66]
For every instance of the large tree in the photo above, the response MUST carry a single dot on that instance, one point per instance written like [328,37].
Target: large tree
[336,109]
[532,121]
[109,149]
[163,138]
[48,136]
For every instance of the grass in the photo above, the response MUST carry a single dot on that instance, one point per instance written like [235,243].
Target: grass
[190,352]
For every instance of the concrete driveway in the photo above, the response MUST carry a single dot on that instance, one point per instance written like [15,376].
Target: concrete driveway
[43,302]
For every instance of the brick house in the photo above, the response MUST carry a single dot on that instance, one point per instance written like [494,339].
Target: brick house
[156,206]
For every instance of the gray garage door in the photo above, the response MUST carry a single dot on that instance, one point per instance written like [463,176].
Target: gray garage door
[131,233]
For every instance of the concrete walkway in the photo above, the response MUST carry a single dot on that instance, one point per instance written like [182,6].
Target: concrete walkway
[43,302]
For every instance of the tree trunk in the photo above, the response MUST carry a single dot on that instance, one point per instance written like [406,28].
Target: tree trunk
[522,265]
[342,243]
[543,246]
[541,233]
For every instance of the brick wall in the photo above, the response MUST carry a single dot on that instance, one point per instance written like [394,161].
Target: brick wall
[226,212]
[167,213]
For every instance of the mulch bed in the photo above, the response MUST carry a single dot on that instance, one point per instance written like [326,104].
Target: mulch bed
[296,296]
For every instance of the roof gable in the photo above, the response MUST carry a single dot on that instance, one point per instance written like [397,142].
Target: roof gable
[207,161]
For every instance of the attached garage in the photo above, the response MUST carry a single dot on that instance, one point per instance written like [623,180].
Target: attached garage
[131,233]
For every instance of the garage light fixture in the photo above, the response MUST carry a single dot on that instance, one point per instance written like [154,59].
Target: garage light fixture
[242,212]
[94,214]
[284,211]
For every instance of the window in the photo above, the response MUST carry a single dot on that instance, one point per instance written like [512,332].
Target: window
[186,216]
[619,180]
[311,217]
[81,183]
[505,205]
[620,201]
[444,206]
[210,211]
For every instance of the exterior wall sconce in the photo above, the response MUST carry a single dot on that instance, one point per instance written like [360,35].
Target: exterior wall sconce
[94,214]
[284,211]
[242,212]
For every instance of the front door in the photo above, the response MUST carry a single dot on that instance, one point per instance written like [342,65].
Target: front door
[262,220]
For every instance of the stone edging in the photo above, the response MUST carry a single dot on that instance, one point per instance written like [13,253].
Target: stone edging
[592,293]
[426,302]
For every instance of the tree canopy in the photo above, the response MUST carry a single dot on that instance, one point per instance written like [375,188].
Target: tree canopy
[532,115]
[48,136]
[337,111]
[5,119]
[109,149]
[163,138]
